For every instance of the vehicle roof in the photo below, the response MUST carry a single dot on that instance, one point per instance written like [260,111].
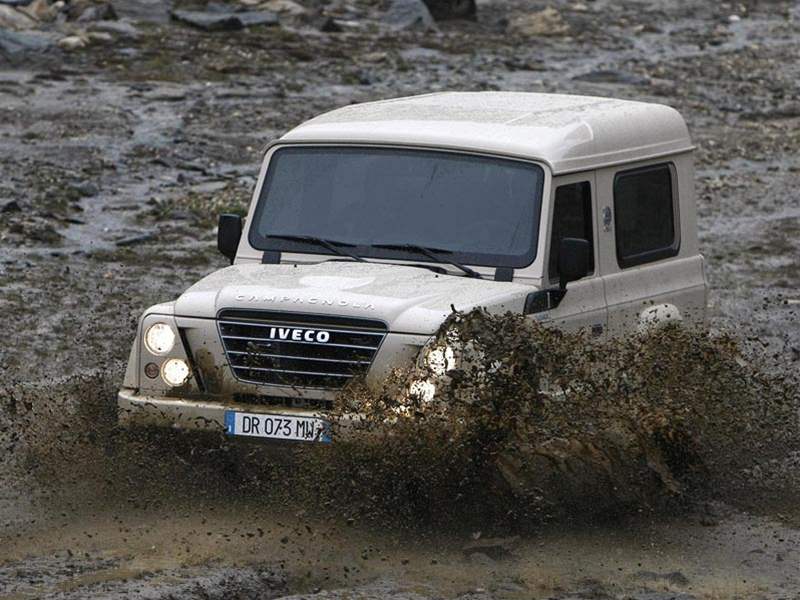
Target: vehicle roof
[567,132]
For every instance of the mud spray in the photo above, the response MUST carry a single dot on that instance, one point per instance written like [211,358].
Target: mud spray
[529,425]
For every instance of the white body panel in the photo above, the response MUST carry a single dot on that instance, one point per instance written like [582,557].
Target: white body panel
[574,139]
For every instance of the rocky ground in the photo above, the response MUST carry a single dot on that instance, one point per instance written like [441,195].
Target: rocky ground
[126,127]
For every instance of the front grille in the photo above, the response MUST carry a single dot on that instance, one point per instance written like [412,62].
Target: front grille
[284,402]
[290,349]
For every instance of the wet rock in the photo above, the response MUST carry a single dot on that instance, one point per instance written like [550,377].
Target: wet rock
[284,7]
[135,240]
[494,548]
[409,15]
[98,12]
[480,559]
[16,20]
[99,36]
[122,28]
[73,42]
[330,25]
[547,22]
[673,578]
[224,21]
[650,595]
[612,76]
[451,9]
[13,42]
[15,2]
[144,11]
[10,207]
[42,10]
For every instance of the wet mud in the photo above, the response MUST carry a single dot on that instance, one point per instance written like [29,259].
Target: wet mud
[114,160]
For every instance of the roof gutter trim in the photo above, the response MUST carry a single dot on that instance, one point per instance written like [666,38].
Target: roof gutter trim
[632,155]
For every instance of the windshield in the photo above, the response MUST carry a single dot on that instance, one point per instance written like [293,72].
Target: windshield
[481,210]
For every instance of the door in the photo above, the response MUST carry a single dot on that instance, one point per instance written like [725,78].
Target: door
[572,214]
[647,267]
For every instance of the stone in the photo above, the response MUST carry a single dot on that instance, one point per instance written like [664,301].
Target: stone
[98,12]
[16,20]
[284,7]
[612,76]
[409,15]
[122,28]
[41,10]
[494,548]
[13,42]
[73,42]
[452,9]
[11,206]
[224,21]
[544,23]
[99,36]
[330,25]
[673,577]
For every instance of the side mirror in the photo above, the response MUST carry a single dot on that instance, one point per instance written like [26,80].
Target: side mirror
[228,235]
[573,260]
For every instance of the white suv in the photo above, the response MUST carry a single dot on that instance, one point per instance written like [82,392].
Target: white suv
[370,223]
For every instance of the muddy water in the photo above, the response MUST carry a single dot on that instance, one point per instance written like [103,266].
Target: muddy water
[117,156]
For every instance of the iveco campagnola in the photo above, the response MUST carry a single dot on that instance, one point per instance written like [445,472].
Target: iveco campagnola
[369,223]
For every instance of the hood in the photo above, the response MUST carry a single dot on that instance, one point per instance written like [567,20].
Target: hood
[407,299]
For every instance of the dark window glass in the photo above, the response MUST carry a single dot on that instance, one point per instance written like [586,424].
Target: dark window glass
[645,215]
[483,210]
[572,218]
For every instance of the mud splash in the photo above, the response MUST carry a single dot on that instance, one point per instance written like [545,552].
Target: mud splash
[552,425]
[542,425]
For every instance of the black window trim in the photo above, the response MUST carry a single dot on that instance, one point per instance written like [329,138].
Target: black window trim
[587,177]
[658,253]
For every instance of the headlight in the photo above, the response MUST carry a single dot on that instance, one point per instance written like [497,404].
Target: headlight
[159,338]
[440,360]
[175,372]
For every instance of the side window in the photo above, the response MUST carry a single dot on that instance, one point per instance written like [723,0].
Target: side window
[572,218]
[644,211]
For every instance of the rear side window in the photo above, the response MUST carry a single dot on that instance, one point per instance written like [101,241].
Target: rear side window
[572,218]
[644,211]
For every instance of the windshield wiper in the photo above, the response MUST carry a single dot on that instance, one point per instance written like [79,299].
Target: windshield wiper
[435,254]
[332,245]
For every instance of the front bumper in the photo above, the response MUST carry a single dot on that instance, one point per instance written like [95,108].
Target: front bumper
[137,410]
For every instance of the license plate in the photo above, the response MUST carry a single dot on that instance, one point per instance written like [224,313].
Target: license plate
[277,427]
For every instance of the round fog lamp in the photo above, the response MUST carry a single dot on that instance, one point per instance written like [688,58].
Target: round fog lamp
[159,338]
[151,370]
[175,372]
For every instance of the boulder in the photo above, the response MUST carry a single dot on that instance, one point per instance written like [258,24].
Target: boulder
[547,22]
[15,20]
[98,12]
[10,206]
[451,9]
[409,15]
[14,42]
[224,21]
[41,10]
